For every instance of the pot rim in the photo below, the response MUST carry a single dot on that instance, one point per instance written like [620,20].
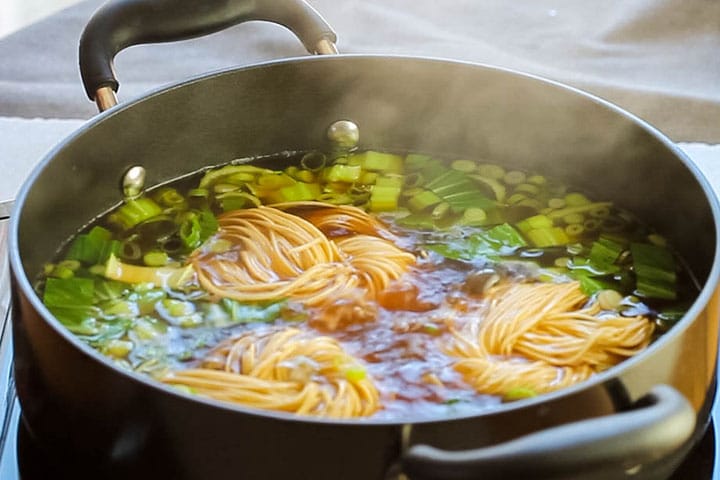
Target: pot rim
[22,282]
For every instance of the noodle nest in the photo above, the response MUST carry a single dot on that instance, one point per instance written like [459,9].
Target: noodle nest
[543,336]
[275,254]
[285,370]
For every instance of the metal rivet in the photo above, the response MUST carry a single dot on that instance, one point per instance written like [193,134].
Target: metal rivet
[344,134]
[133,182]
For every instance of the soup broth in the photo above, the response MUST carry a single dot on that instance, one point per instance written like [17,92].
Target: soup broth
[368,285]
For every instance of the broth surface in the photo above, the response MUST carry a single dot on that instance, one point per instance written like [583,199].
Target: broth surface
[466,284]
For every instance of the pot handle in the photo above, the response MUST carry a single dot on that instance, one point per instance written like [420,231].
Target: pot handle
[617,445]
[122,23]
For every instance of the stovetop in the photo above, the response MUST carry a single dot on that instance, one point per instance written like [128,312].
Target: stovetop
[20,458]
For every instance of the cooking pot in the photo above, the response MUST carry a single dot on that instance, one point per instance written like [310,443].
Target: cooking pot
[637,419]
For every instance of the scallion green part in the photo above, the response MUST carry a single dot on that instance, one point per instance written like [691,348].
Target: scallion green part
[135,211]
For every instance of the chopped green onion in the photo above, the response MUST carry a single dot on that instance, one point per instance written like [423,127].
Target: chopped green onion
[573,218]
[514,177]
[496,187]
[379,161]
[537,180]
[118,348]
[423,200]
[134,212]
[299,192]
[416,160]
[155,258]
[93,247]
[313,161]
[572,209]
[547,237]
[474,217]
[465,166]
[592,224]
[518,393]
[556,203]
[74,291]
[440,210]
[528,188]
[342,173]
[275,180]
[212,176]
[489,170]
[536,221]
[238,200]
[355,373]
[574,230]
[169,197]
[576,199]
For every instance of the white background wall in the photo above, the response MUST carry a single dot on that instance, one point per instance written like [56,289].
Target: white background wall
[15,14]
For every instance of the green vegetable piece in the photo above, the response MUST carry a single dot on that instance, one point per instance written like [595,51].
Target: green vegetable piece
[548,237]
[468,199]
[63,292]
[451,181]
[506,236]
[465,166]
[190,231]
[299,192]
[213,176]
[491,171]
[237,200]
[275,180]
[514,177]
[654,268]
[534,222]
[342,173]
[422,221]
[496,187]
[134,212]
[108,289]
[527,188]
[498,241]
[118,348]
[81,320]
[653,262]
[120,308]
[416,161]
[383,199]
[423,200]
[673,314]
[475,217]
[379,161]
[576,199]
[93,247]
[250,312]
[440,210]
[155,258]
[569,210]
[60,271]
[655,289]
[169,197]
[604,253]
[355,373]
[519,393]
[591,285]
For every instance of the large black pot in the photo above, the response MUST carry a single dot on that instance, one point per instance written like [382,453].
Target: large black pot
[113,423]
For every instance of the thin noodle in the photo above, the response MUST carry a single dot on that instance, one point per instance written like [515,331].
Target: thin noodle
[278,254]
[543,336]
[283,370]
